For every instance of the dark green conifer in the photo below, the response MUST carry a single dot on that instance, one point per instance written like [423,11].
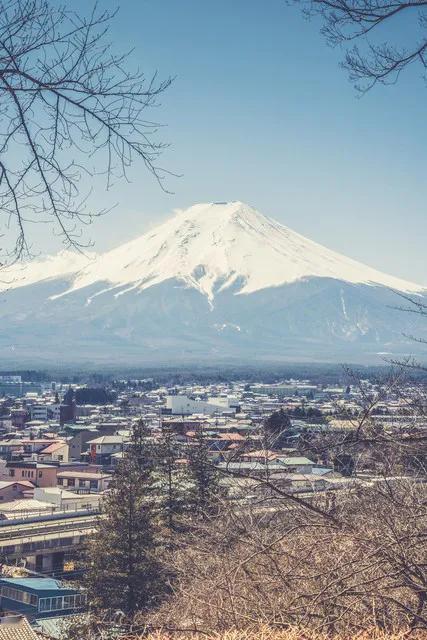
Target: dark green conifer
[124,571]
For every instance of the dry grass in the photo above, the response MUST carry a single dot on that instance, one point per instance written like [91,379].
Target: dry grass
[290,634]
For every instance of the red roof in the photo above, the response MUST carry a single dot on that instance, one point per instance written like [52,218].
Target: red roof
[232,436]
[55,446]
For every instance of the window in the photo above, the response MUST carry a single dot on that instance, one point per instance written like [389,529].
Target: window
[40,474]
[19,596]
[12,472]
[8,549]
[62,602]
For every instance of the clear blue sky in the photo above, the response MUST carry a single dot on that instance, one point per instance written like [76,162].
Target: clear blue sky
[260,111]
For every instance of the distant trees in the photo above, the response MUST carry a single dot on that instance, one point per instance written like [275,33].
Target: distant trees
[70,107]
[277,422]
[93,395]
[124,570]
[310,413]
[381,38]
[275,428]
[344,463]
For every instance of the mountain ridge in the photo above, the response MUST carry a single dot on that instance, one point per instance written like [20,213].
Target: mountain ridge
[211,246]
[215,282]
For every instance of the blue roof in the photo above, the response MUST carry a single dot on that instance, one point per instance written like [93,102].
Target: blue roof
[39,584]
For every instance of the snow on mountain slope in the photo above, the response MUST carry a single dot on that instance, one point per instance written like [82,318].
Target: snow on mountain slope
[211,247]
[65,263]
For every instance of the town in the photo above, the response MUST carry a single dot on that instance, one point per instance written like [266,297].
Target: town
[61,444]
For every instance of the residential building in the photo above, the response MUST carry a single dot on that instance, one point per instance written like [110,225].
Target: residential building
[84,482]
[11,490]
[183,405]
[39,597]
[16,627]
[57,451]
[101,449]
[38,473]
[78,436]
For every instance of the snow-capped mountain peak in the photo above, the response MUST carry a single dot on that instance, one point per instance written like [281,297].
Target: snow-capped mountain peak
[214,282]
[212,246]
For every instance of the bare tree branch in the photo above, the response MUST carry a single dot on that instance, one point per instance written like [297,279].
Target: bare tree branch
[69,108]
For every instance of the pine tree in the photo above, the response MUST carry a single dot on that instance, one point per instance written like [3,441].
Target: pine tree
[124,570]
[203,477]
[171,483]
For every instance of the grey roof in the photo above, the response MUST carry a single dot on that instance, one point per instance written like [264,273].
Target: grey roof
[296,460]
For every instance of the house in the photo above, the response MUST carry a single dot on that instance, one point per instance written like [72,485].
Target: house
[84,481]
[10,449]
[101,449]
[16,627]
[40,474]
[10,490]
[296,464]
[64,500]
[261,455]
[78,436]
[34,445]
[57,451]
[39,597]
[254,468]
[310,482]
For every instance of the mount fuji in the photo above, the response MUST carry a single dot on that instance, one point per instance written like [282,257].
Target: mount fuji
[216,282]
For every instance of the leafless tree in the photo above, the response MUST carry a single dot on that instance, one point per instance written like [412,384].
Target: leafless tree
[336,560]
[382,37]
[286,565]
[70,108]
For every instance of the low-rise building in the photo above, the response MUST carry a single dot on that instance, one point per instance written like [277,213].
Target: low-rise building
[39,597]
[10,490]
[83,481]
[55,452]
[38,473]
[102,448]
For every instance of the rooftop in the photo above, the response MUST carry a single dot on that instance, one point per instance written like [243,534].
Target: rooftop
[55,446]
[16,628]
[107,440]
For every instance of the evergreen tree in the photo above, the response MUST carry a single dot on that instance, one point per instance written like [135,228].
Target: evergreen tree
[203,477]
[275,428]
[124,570]
[170,483]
